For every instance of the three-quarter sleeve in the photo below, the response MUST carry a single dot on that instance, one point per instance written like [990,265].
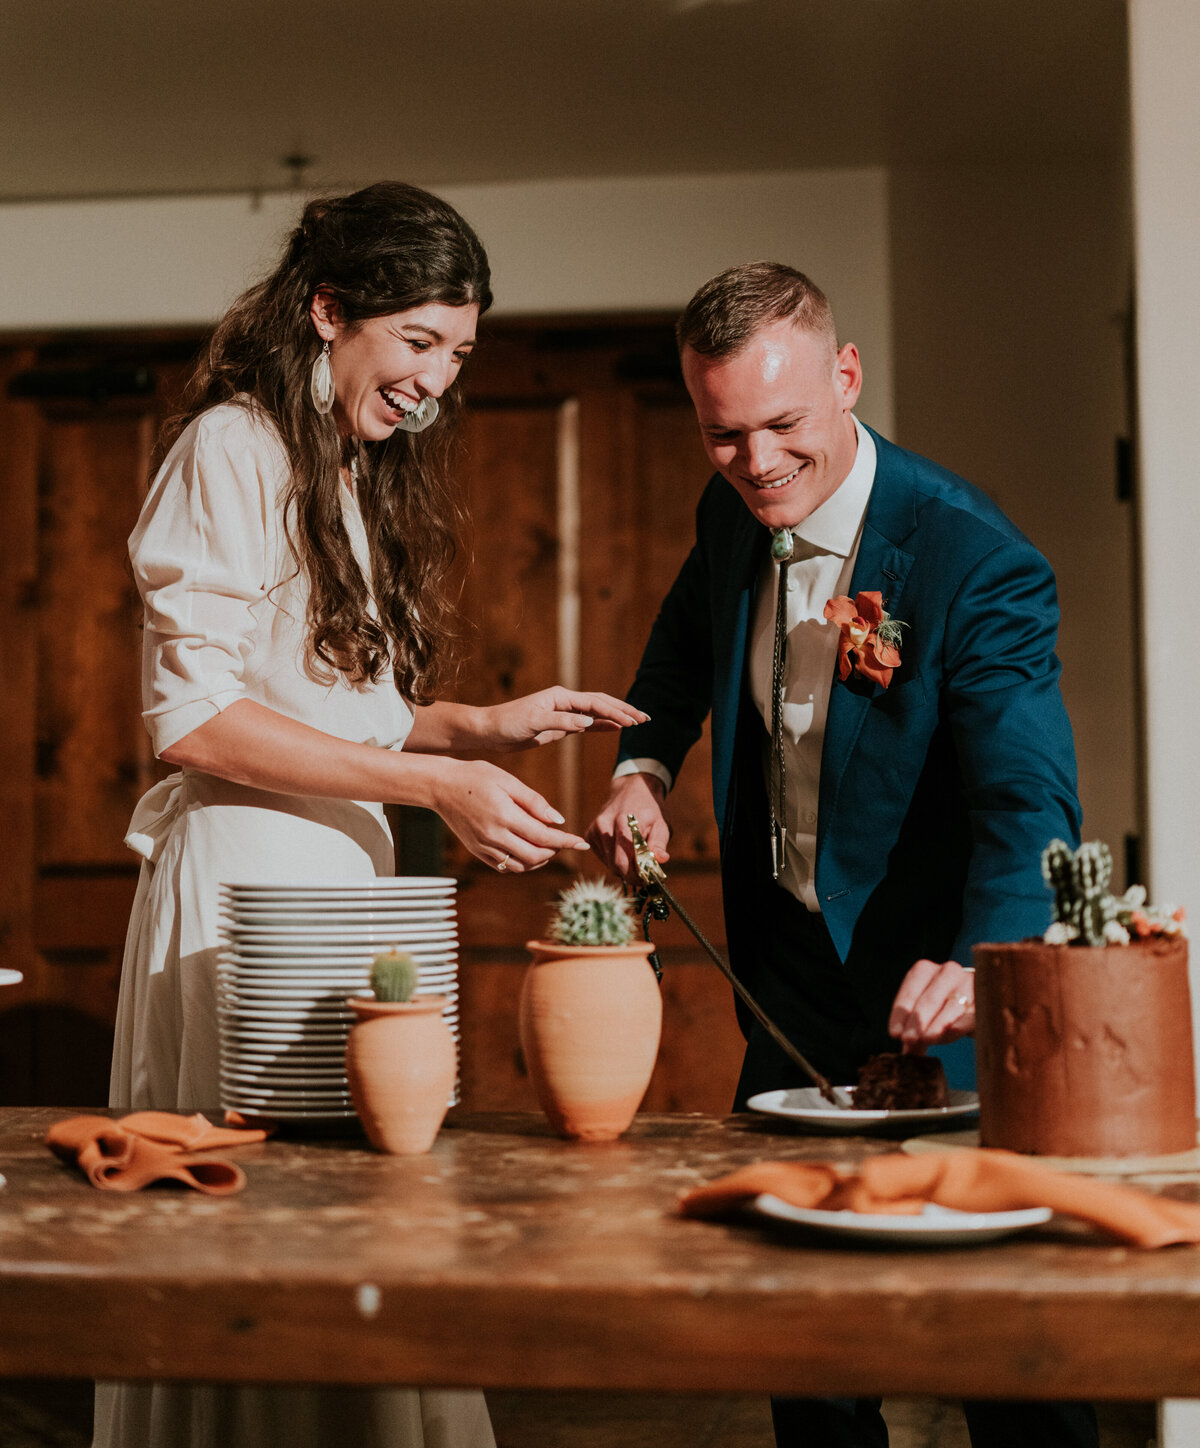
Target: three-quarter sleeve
[200,555]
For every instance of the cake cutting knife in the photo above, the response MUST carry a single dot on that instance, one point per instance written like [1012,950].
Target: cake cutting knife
[654,888]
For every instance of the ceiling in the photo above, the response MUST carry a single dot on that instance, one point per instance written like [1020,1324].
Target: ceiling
[131,97]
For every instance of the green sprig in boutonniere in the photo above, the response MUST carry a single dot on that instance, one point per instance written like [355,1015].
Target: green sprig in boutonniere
[870,636]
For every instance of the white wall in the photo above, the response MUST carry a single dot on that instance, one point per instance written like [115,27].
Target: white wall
[626,245]
[1164,42]
[1009,289]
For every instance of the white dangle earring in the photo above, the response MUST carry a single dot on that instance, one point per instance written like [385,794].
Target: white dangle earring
[421,417]
[320,383]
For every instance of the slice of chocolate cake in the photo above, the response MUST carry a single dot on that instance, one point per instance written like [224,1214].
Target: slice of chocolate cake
[895,1082]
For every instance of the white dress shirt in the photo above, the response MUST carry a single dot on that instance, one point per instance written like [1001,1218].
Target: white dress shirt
[822,565]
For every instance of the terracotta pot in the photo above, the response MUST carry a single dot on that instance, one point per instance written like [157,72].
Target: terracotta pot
[591,1017]
[401,1062]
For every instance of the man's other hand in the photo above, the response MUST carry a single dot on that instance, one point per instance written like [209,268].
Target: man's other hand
[935,1004]
[641,795]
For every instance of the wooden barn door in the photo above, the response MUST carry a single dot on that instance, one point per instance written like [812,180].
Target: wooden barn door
[583,467]
[79,424]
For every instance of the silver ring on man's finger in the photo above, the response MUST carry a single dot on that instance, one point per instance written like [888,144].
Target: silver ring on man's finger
[503,864]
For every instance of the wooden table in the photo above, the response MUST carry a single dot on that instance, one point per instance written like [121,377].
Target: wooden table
[508,1258]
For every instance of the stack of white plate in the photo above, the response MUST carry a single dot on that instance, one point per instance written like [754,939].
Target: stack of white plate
[291,955]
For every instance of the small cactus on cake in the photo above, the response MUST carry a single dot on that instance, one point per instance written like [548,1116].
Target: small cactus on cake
[393,976]
[1085,910]
[592,912]
[1095,904]
[1058,859]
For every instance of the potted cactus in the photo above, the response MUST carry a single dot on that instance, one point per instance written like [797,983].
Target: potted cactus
[400,1059]
[590,1014]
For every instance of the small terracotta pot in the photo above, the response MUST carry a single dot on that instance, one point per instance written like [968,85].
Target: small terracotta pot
[591,1017]
[401,1062]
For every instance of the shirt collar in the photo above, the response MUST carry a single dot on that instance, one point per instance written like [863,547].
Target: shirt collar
[834,526]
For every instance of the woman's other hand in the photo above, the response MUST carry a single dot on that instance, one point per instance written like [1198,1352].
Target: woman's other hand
[552,714]
[501,821]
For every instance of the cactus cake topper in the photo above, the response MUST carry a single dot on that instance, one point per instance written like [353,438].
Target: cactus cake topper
[592,912]
[1085,910]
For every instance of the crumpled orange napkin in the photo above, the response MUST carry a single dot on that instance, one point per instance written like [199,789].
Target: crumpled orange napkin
[980,1180]
[151,1146]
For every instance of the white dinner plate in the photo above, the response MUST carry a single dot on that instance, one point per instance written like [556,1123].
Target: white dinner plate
[282,970]
[334,930]
[340,912]
[283,1059]
[935,1226]
[322,1033]
[338,887]
[432,954]
[239,1074]
[335,975]
[280,1111]
[319,989]
[294,1096]
[338,951]
[367,910]
[258,997]
[296,1014]
[805,1106]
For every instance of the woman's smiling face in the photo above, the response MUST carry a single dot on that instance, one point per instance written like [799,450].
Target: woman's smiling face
[386,366]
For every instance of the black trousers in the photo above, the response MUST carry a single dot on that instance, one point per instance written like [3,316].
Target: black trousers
[795,973]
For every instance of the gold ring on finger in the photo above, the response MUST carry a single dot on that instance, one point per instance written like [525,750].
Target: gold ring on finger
[503,864]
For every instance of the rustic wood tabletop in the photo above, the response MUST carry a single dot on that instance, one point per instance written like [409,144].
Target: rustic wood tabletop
[509,1258]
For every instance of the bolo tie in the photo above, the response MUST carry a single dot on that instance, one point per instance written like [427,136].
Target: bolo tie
[783,550]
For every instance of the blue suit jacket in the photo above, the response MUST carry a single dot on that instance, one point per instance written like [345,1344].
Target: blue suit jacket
[938,794]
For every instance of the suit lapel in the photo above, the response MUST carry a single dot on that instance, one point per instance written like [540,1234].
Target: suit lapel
[746,548]
[882,564]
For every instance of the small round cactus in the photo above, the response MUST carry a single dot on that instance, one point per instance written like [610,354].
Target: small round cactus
[592,912]
[393,976]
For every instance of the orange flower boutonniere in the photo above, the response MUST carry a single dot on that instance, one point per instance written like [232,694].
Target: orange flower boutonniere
[870,637]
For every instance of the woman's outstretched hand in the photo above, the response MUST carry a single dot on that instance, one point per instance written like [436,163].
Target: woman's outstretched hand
[552,714]
[501,821]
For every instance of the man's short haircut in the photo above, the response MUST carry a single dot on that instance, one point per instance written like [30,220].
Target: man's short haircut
[727,311]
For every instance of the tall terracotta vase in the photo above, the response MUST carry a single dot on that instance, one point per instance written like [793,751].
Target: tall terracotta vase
[590,1018]
[401,1062]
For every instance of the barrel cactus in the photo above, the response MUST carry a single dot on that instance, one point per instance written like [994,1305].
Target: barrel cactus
[393,976]
[592,912]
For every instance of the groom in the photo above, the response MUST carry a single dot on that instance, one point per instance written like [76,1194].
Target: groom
[886,769]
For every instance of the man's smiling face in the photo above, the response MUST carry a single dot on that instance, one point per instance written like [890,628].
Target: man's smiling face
[776,418]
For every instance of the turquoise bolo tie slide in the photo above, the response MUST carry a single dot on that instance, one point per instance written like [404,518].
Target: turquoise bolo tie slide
[783,545]
[655,900]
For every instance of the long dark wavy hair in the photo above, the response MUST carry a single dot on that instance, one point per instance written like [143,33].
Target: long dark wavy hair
[376,252]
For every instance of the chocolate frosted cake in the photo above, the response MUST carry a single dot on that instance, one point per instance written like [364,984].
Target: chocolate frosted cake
[894,1082]
[1085,1050]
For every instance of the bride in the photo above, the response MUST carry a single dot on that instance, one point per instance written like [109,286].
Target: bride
[291,557]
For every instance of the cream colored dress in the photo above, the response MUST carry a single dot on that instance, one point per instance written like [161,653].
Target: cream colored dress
[225,610]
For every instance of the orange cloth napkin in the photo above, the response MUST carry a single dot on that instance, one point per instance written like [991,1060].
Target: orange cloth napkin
[151,1146]
[969,1180]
